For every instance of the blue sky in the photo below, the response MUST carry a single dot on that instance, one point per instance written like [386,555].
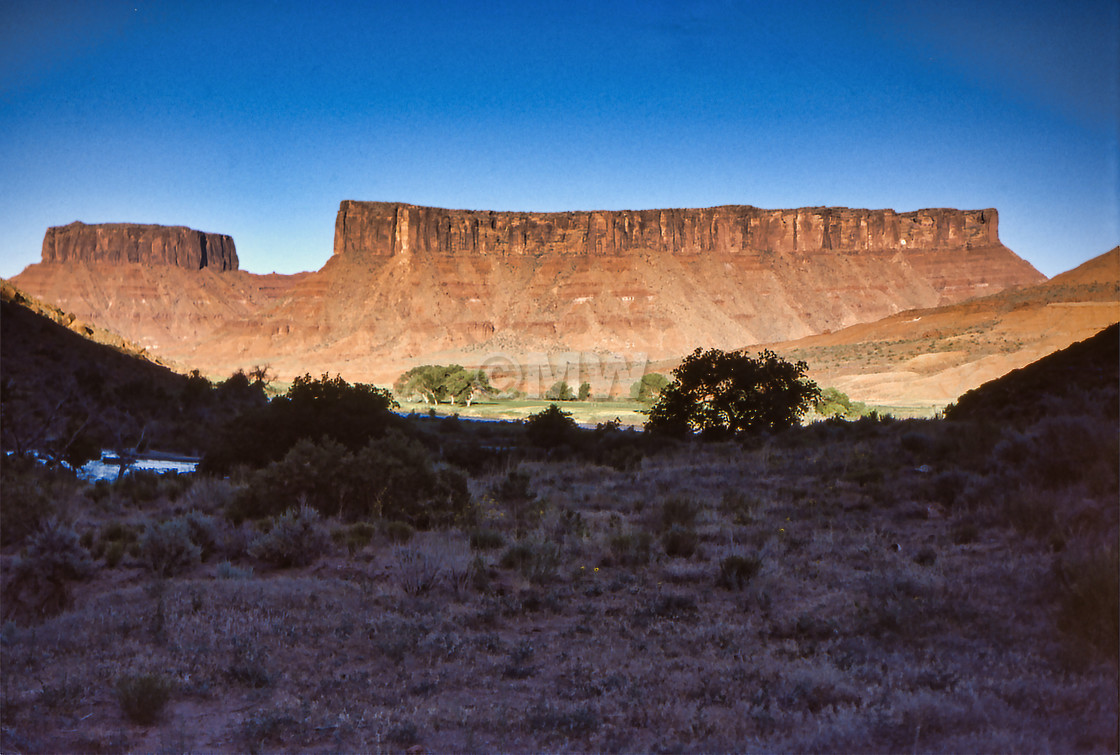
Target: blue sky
[257,118]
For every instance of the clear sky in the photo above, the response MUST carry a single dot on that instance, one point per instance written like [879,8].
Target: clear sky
[257,118]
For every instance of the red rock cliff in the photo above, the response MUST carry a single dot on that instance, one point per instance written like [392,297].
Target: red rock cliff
[119,243]
[385,229]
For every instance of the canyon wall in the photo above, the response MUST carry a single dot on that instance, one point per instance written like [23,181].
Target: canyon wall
[118,243]
[385,229]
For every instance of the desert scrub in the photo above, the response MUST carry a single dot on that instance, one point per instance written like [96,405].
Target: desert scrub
[736,571]
[227,570]
[418,570]
[113,541]
[166,549]
[742,508]
[536,560]
[1089,596]
[295,538]
[142,697]
[399,532]
[486,539]
[31,496]
[515,495]
[355,536]
[680,512]
[679,542]
[631,549]
[39,579]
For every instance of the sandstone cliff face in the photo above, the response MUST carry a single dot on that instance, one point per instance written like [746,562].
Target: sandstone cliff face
[119,243]
[409,285]
[384,229]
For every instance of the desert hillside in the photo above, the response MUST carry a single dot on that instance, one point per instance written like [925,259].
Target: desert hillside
[932,356]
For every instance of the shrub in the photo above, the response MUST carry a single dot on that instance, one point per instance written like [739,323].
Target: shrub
[392,477]
[631,549]
[39,580]
[399,532]
[739,506]
[513,492]
[350,415]
[419,570]
[167,549]
[674,607]
[535,560]
[296,538]
[561,391]
[679,542]
[678,512]
[205,532]
[1089,584]
[227,570]
[736,571]
[550,428]
[137,487]
[143,697]
[551,720]
[30,496]
[356,536]
[486,539]
[926,557]
[113,540]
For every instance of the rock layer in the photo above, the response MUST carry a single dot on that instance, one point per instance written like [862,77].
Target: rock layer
[119,243]
[385,229]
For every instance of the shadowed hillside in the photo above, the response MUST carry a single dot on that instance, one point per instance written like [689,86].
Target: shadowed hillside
[70,389]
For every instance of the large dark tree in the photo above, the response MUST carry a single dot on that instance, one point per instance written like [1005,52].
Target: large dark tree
[313,408]
[727,394]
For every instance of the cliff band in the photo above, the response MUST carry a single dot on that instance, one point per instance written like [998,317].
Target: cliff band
[145,244]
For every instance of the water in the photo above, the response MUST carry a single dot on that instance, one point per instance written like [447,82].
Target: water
[99,469]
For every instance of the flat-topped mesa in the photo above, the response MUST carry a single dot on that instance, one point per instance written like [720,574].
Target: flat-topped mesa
[120,243]
[389,228]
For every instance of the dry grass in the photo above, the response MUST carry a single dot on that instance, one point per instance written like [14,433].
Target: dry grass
[858,622]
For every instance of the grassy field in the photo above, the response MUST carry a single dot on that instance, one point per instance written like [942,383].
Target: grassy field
[585,413]
[592,413]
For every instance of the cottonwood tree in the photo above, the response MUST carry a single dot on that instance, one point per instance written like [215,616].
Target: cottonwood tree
[729,394]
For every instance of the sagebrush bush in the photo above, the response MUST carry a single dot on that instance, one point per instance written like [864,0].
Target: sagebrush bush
[295,538]
[679,542]
[31,495]
[486,539]
[391,478]
[536,560]
[113,540]
[736,571]
[680,512]
[205,532]
[167,549]
[1089,596]
[38,581]
[399,532]
[631,549]
[355,536]
[143,697]
[227,570]
[419,570]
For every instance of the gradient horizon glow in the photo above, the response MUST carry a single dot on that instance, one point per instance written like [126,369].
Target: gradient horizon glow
[256,119]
